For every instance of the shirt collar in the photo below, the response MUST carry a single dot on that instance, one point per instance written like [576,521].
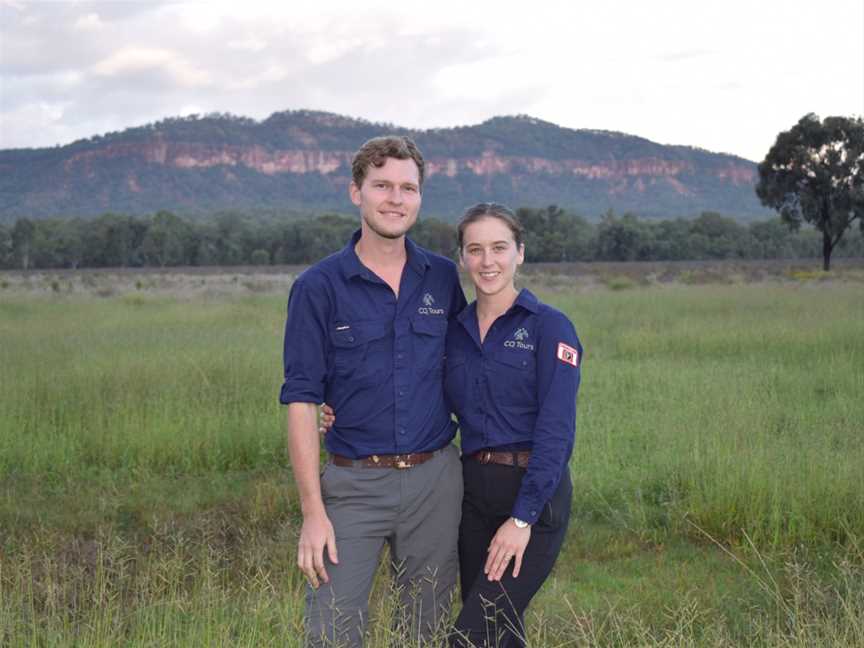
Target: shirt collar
[525,299]
[353,267]
[468,312]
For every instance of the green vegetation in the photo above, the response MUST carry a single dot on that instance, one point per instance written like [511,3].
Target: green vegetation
[146,169]
[234,238]
[814,173]
[146,498]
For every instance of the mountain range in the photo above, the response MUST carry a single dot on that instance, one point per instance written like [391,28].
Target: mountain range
[300,161]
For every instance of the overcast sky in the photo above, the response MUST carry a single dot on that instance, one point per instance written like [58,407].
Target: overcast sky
[722,75]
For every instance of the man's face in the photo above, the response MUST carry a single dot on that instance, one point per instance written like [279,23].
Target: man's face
[389,198]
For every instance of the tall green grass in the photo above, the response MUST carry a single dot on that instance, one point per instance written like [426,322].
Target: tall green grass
[738,408]
[146,497]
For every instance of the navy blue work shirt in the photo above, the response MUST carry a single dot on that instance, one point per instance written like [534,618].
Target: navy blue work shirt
[517,390]
[377,360]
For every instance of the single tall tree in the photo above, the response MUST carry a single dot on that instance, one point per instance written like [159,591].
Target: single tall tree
[815,173]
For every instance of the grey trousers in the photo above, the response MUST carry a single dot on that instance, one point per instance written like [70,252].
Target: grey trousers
[417,512]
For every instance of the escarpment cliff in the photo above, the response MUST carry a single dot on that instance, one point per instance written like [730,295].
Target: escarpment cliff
[300,160]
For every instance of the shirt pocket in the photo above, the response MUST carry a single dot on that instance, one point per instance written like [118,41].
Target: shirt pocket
[428,340]
[513,379]
[455,382]
[351,350]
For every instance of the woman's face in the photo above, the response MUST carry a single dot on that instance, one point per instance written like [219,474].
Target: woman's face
[490,255]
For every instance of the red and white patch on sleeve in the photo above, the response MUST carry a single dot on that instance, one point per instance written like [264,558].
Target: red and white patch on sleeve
[568,354]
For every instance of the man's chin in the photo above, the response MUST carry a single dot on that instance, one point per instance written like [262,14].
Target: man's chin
[392,234]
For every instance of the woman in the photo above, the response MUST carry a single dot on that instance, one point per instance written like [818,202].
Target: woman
[512,373]
[511,377]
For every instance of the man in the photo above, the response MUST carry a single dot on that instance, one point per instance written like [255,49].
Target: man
[365,332]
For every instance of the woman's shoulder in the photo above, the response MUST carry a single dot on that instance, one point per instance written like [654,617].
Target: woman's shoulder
[554,322]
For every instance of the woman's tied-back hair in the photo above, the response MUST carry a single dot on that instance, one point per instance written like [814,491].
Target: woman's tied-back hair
[490,210]
[376,151]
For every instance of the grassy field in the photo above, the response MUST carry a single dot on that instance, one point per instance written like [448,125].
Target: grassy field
[146,498]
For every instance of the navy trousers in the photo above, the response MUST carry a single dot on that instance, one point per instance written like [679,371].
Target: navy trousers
[492,614]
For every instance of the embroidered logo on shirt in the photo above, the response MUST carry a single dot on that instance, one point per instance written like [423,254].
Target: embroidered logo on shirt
[568,354]
[518,341]
[427,308]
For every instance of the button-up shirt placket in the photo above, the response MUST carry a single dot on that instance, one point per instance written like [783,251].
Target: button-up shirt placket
[412,279]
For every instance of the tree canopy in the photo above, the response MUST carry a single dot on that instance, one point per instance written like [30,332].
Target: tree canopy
[234,238]
[815,173]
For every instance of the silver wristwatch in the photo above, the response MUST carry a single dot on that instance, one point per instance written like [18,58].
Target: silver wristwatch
[520,524]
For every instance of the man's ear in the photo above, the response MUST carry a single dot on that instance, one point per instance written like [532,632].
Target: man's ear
[354,193]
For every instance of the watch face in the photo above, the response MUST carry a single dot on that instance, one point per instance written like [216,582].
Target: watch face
[520,523]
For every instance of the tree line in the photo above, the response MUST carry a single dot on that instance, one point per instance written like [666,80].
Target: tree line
[552,234]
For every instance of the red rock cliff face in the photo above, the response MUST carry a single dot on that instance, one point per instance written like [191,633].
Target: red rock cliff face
[271,162]
[190,156]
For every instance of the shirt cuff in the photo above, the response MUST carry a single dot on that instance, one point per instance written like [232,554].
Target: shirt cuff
[526,511]
[300,392]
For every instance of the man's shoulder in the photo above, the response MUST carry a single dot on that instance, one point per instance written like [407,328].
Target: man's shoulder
[321,272]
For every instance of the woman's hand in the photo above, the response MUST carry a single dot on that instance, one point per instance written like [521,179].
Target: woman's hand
[327,419]
[509,542]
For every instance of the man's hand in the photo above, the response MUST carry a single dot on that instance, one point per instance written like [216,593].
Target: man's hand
[509,542]
[317,533]
[328,418]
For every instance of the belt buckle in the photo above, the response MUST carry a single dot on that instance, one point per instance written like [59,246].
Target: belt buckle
[486,457]
[401,463]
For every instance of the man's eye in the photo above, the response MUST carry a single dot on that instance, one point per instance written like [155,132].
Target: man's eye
[500,248]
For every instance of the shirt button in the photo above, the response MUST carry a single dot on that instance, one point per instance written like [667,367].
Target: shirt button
[399,356]
[533,512]
[401,392]
[401,430]
[350,338]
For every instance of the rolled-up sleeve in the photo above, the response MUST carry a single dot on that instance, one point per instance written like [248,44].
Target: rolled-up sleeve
[558,376]
[304,353]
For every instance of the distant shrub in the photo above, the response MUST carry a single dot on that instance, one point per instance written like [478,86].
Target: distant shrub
[808,275]
[134,300]
[620,283]
[260,257]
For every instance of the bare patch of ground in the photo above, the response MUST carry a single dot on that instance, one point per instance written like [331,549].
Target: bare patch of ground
[207,282]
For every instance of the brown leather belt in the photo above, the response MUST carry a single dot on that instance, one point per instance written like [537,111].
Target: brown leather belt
[397,461]
[517,458]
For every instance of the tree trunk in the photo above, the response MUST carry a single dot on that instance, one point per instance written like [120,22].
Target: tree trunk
[826,251]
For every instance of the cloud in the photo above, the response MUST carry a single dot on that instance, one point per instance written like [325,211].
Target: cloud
[684,55]
[674,72]
[130,62]
[89,22]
